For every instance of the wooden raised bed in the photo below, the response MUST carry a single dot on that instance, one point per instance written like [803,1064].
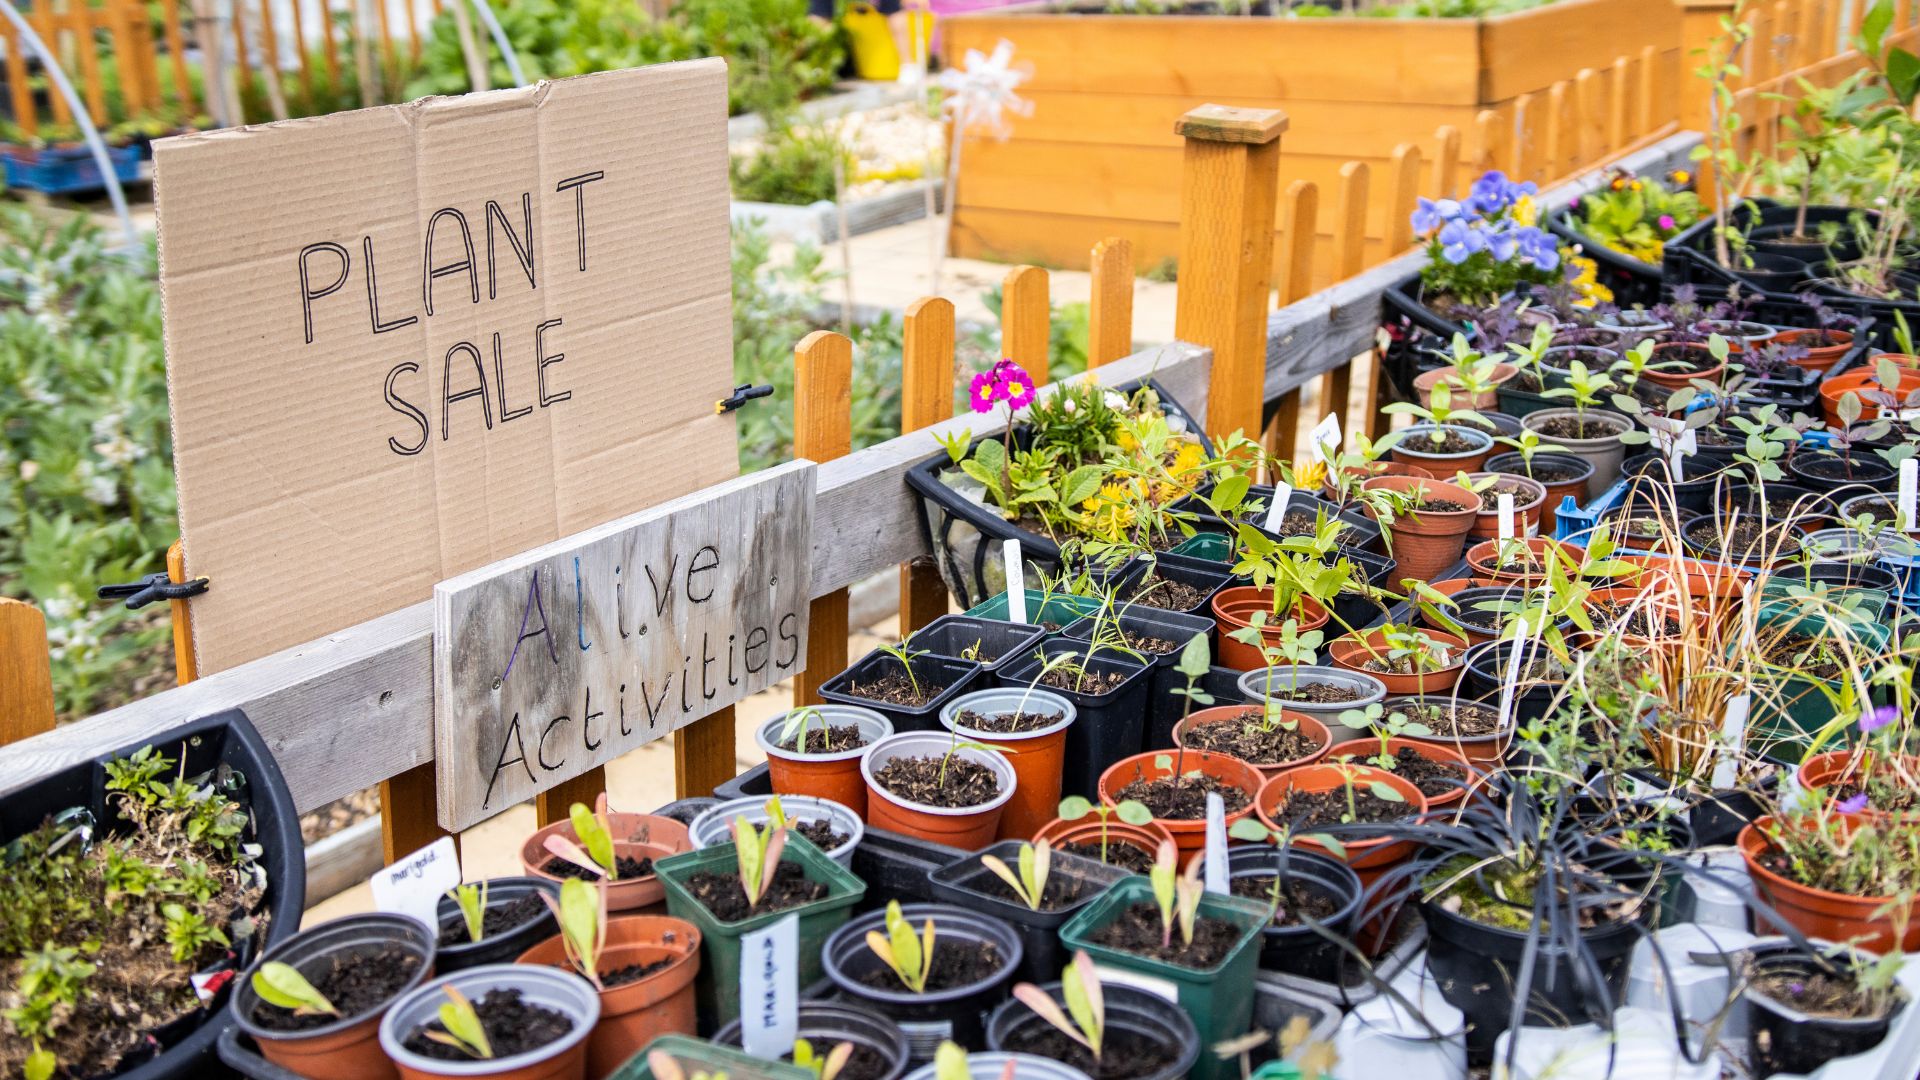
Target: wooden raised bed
[1099,157]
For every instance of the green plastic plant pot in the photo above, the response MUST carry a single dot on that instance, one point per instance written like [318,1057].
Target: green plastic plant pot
[717,990]
[1219,999]
[1785,722]
[1060,608]
[1211,546]
[696,1056]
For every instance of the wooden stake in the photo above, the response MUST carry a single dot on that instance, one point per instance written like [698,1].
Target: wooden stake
[1026,321]
[26,672]
[1446,162]
[1403,194]
[822,431]
[1110,310]
[186,665]
[926,397]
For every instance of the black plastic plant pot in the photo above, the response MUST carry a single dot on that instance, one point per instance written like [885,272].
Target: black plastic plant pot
[1716,818]
[1136,1021]
[1361,531]
[1487,672]
[1781,500]
[1208,578]
[1477,968]
[1110,725]
[458,952]
[1222,684]
[1076,880]
[1298,949]
[953,675]
[827,1024]
[246,773]
[1352,609]
[1163,706]
[1840,575]
[1855,474]
[898,867]
[1650,485]
[1782,1039]
[1773,273]
[932,1017]
[991,643]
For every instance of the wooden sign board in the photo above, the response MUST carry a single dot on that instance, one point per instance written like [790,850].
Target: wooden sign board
[549,663]
[407,341]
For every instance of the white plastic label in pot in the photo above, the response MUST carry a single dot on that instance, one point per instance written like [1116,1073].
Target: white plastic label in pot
[414,885]
[1325,438]
[1505,499]
[1277,509]
[1909,482]
[1016,581]
[1165,989]
[770,989]
[1216,852]
[1522,645]
[1733,735]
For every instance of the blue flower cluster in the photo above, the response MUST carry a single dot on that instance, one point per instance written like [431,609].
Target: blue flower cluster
[1486,221]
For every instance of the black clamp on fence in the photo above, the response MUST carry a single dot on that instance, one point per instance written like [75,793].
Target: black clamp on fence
[151,589]
[742,394]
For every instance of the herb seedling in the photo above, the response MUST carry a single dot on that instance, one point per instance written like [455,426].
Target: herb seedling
[464,1031]
[1386,728]
[594,852]
[1584,388]
[906,655]
[581,912]
[1030,884]
[1178,895]
[1085,1018]
[1438,413]
[1129,811]
[823,1068]
[910,956]
[280,984]
[472,901]
[758,854]
[794,730]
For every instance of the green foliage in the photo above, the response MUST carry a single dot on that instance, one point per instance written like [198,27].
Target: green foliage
[910,956]
[793,164]
[464,1031]
[283,985]
[1030,884]
[1636,217]
[472,901]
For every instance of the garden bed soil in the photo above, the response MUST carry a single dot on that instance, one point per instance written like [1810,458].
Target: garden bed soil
[1146,643]
[1183,798]
[1611,615]
[1138,931]
[1453,443]
[1124,856]
[513,1027]
[1298,898]
[1455,720]
[633,973]
[1243,738]
[721,893]
[495,920]
[1124,1054]
[918,780]
[356,983]
[1490,498]
[626,866]
[1787,651]
[1309,808]
[1005,723]
[895,688]
[1572,427]
[1826,467]
[956,963]
[1746,536]
[1439,506]
[837,738]
[1155,591]
[1548,472]
[1088,683]
[1306,523]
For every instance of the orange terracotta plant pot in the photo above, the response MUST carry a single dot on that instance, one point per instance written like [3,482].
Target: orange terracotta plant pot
[1411,449]
[1424,383]
[1856,381]
[836,776]
[1369,858]
[1352,651]
[1234,608]
[1087,830]
[967,828]
[1676,379]
[348,1049]
[1037,757]
[638,836]
[1526,508]
[1224,714]
[1484,558]
[1818,913]
[1820,358]
[1362,749]
[1824,770]
[634,1014]
[1426,543]
[1483,752]
[1382,468]
[1190,836]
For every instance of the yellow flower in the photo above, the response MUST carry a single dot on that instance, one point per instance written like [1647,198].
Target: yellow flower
[1635,185]
[1525,211]
[1309,474]
[1187,459]
[1681,176]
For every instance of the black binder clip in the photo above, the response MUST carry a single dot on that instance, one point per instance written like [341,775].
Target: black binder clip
[742,394]
[151,589]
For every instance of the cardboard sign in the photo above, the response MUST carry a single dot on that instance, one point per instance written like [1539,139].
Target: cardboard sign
[414,885]
[770,990]
[406,341]
[565,657]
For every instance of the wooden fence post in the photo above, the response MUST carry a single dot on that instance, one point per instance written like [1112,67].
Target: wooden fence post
[926,397]
[186,665]
[177,54]
[1298,232]
[1650,88]
[1446,161]
[1349,254]
[822,431]
[1699,28]
[1403,194]
[26,672]
[1026,321]
[1527,126]
[1110,308]
[1559,134]
[1491,133]
[1229,186]
[21,91]
[1619,102]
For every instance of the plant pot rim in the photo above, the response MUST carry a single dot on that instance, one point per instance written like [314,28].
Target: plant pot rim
[1376,690]
[1046,699]
[1547,457]
[1538,492]
[1268,801]
[1473,434]
[1787,950]
[1360,639]
[767,732]
[1619,421]
[851,936]
[1225,714]
[1136,888]
[940,743]
[1148,769]
[1754,842]
[753,808]
[1447,741]
[399,928]
[474,981]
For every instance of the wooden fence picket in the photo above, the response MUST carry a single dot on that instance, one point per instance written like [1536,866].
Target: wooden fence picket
[1349,255]
[20,90]
[1446,161]
[26,672]
[1619,104]
[926,397]
[1299,231]
[823,431]
[1492,136]
[1110,303]
[1554,158]
[1528,136]
[1026,320]
[1403,193]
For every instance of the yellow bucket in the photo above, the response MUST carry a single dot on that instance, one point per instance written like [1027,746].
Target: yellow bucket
[874,54]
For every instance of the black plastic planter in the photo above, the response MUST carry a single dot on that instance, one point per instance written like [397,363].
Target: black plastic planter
[457,952]
[1781,1039]
[929,1018]
[226,741]
[1220,683]
[1208,577]
[826,1024]
[1110,725]
[1134,1017]
[1162,705]
[1840,575]
[1477,968]
[1487,672]
[1648,483]
[1361,531]
[992,643]
[1857,474]
[957,676]
[967,883]
[1351,609]
[1299,949]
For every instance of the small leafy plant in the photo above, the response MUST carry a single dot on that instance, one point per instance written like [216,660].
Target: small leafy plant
[1129,811]
[902,652]
[472,900]
[281,984]
[1177,894]
[464,1031]
[1085,1018]
[582,914]
[824,1067]
[758,857]
[1030,884]
[595,852]
[910,956]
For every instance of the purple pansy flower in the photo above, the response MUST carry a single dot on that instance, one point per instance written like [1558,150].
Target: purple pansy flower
[1460,241]
[1433,213]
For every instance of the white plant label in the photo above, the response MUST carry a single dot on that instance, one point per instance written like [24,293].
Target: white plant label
[770,989]
[1277,508]
[1505,500]
[1325,438]
[1216,855]
[1733,735]
[1522,644]
[414,885]
[1909,488]
[1164,989]
[1016,582]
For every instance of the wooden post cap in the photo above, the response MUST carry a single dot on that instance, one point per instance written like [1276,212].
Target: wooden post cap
[1704,5]
[1225,123]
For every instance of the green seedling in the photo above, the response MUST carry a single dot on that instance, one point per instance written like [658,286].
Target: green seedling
[956,444]
[1129,811]
[904,653]
[594,852]
[794,730]
[582,914]
[824,1068]
[910,957]
[1387,726]
[1084,1020]
[472,901]
[279,984]
[758,854]
[1030,884]
[464,1032]
[1177,894]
